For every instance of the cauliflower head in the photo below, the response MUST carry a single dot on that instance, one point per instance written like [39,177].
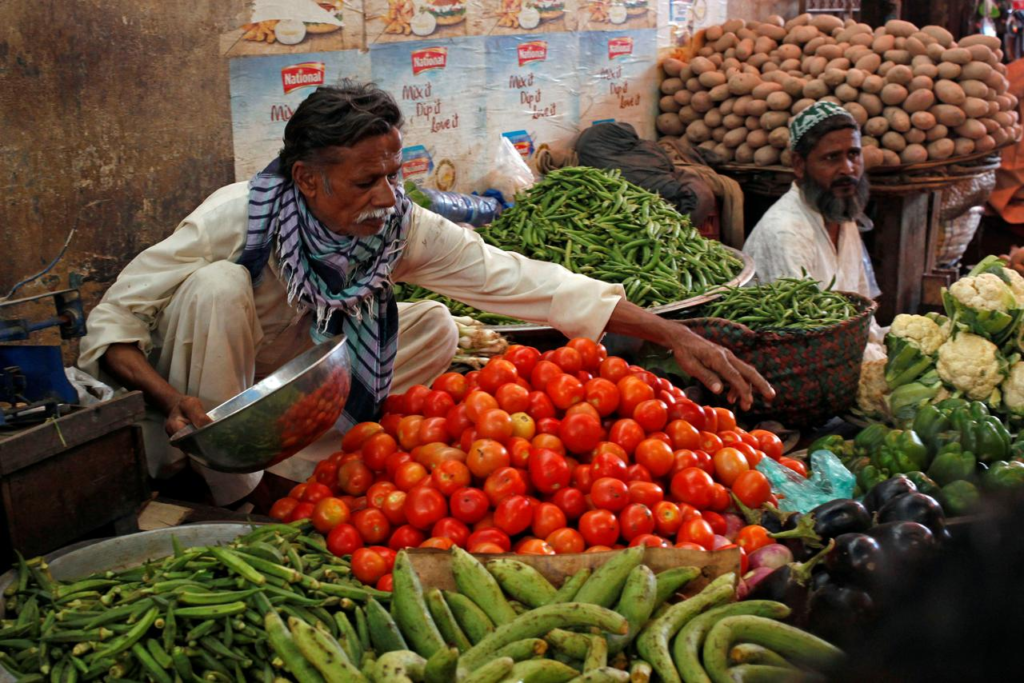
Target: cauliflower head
[972,364]
[985,292]
[1016,283]
[872,389]
[922,332]
[1013,389]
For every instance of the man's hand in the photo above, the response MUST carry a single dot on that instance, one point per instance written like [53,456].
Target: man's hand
[187,410]
[708,363]
[1015,259]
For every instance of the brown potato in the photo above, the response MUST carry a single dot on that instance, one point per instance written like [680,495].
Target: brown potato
[949,115]
[944,37]
[779,138]
[688,115]
[873,84]
[872,157]
[669,124]
[833,77]
[921,83]
[700,65]
[975,108]
[672,67]
[698,131]
[898,119]
[766,156]
[871,103]
[974,88]
[903,29]
[702,102]
[915,136]
[914,154]
[941,149]
[919,100]
[683,97]
[669,104]
[890,158]
[847,93]
[671,86]
[743,84]
[713,118]
[774,119]
[957,55]
[802,104]
[744,154]
[923,120]
[859,113]
[869,63]
[757,138]
[900,74]
[893,141]
[815,89]
[884,43]
[893,94]
[949,92]
[972,129]
[928,70]
[897,56]
[876,126]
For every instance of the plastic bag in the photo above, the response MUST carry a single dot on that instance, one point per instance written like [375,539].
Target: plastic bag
[510,174]
[829,480]
[463,208]
[89,389]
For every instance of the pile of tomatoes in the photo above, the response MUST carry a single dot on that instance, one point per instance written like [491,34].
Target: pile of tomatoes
[559,452]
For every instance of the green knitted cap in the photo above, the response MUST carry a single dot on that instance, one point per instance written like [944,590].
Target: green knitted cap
[812,116]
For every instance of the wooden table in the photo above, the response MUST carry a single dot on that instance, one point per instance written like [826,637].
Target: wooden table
[65,479]
[905,210]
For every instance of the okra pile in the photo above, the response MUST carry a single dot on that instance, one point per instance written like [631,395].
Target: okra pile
[785,304]
[213,614]
[596,223]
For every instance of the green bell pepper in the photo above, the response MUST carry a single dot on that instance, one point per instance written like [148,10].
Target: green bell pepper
[951,464]
[950,404]
[869,440]
[870,475]
[924,483]
[1004,475]
[959,497]
[834,444]
[981,434]
[1017,448]
[929,424]
[901,451]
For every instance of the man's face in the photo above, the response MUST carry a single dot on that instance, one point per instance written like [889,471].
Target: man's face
[835,163]
[355,193]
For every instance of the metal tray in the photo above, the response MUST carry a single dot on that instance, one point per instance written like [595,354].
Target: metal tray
[745,276]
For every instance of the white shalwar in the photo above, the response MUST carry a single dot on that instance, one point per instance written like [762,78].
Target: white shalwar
[211,334]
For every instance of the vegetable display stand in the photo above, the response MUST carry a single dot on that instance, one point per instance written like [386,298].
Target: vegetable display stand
[905,206]
[73,476]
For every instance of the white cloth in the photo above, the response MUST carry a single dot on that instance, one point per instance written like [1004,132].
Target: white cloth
[149,306]
[791,236]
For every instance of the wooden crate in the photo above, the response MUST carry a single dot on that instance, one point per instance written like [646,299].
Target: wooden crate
[63,481]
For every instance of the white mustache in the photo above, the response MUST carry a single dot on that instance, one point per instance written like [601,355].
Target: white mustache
[372,214]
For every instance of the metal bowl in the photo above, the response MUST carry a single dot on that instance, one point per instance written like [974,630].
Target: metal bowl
[276,418]
[745,276]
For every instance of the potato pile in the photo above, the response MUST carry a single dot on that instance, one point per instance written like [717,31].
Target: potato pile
[917,94]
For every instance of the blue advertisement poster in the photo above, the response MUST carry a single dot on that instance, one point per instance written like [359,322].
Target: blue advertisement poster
[619,78]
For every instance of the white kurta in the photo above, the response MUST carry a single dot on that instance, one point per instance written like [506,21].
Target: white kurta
[187,290]
[791,236]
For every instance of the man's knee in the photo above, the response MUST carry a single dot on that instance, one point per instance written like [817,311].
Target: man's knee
[444,333]
[222,283]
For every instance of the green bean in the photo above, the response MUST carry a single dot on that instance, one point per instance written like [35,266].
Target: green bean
[793,304]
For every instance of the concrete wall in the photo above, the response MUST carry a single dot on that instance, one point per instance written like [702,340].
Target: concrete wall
[759,10]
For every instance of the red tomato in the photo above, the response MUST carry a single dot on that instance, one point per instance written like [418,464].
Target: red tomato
[548,470]
[571,501]
[693,486]
[683,434]
[438,543]
[485,549]
[705,462]
[632,392]
[752,537]
[667,518]
[523,357]
[729,465]
[650,540]
[544,372]
[513,398]
[752,488]
[415,397]
[721,500]
[535,546]
[652,415]
[613,369]
[682,460]
[583,478]
[283,508]
[394,507]
[566,541]
[519,448]
[540,406]
[590,354]
[376,450]
[627,434]
[437,404]
[327,514]
[486,456]
[479,402]
[580,433]
[599,527]
[503,483]
[354,478]
[409,432]
[610,494]
[387,554]
[372,525]
[315,492]
[469,505]
[457,421]
[565,390]
[494,424]
[569,359]
[494,536]
[406,536]
[638,473]
[768,442]
[453,383]
[613,448]
[409,475]
[434,430]
[603,395]
[424,506]
[697,530]
[449,527]
[583,409]
[357,436]
[547,517]
[513,515]
[716,521]
[730,437]
[635,520]
[386,583]
[326,473]
[686,545]
[608,465]
[726,419]
[710,443]
[343,540]
[498,371]
[656,456]
[548,425]
[646,493]
[797,466]
[450,476]
[685,409]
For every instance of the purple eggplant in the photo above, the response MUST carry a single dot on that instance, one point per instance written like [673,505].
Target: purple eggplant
[857,559]
[882,493]
[916,507]
[839,614]
[790,584]
[750,581]
[772,556]
[907,546]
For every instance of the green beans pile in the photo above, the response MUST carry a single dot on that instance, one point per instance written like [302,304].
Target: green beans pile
[786,304]
[598,224]
[211,614]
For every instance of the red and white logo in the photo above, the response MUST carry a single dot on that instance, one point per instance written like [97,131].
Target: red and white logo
[429,58]
[305,75]
[620,47]
[533,51]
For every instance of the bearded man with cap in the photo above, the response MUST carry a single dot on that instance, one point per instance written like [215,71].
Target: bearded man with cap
[813,227]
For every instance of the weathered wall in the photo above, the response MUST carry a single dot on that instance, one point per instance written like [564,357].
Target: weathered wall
[121,101]
[759,10]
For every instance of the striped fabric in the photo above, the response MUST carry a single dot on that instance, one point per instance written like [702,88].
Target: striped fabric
[346,280]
